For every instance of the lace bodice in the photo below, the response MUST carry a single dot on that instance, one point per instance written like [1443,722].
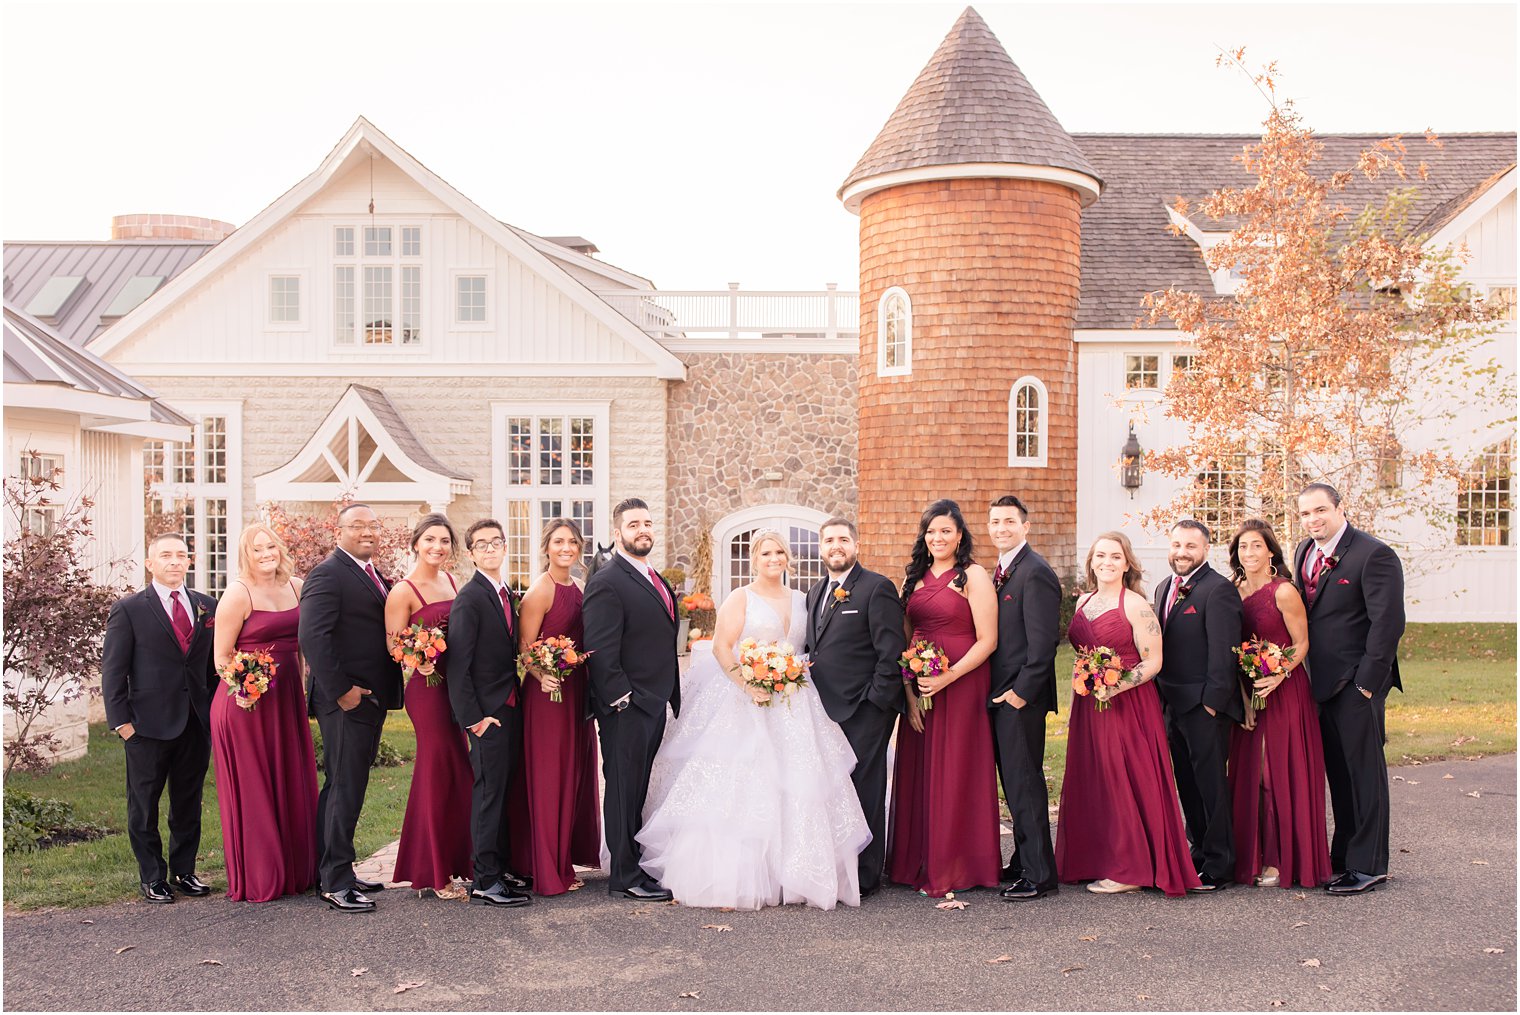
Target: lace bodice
[763,624]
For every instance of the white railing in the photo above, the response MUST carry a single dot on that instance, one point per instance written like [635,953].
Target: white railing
[827,314]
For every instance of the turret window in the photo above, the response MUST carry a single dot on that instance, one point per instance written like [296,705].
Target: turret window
[1028,410]
[894,334]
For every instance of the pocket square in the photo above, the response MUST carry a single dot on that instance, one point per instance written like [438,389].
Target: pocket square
[846,613]
[1344,581]
[1190,609]
[1008,599]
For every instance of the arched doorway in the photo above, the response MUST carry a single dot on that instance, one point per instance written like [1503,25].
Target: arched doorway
[731,542]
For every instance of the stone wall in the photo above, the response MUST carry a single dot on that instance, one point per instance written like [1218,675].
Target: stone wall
[740,416]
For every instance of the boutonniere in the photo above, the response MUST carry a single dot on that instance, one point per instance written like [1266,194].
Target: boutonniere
[841,596]
[1184,591]
[1331,561]
[200,613]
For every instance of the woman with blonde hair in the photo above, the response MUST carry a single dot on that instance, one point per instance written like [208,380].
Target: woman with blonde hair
[266,774]
[1121,825]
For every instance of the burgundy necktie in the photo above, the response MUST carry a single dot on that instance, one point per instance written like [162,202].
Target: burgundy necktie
[997,575]
[181,621]
[369,569]
[664,596]
[506,607]
[1172,599]
[1311,586]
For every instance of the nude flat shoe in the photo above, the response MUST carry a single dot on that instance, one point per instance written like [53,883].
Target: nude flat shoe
[1104,886]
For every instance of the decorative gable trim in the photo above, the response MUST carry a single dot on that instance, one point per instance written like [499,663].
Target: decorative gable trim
[1470,216]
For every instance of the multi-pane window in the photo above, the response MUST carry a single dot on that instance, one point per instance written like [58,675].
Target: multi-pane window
[1220,492]
[411,241]
[343,303]
[1503,297]
[343,241]
[42,519]
[1485,498]
[550,469]
[377,241]
[1182,363]
[894,333]
[284,299]
[189,491]
[1025,433]
[802,545]
[378,301]
[411,304]
[377,305]
[1142,370]
[470,299]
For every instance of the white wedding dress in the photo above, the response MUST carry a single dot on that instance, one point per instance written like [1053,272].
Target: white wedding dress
[752,806]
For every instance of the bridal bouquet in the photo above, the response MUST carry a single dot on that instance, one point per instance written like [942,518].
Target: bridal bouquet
[248,676]
[557,655]
[923,659]
[1262,659]
[773,667]
[413,646]
[1097,667]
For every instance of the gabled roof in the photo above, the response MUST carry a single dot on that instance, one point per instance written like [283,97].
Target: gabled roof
[1127,250]
[364,448]
[37,358]
[107,267]
[970,105]
[356,146]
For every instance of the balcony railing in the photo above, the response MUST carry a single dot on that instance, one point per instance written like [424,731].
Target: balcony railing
[739,315]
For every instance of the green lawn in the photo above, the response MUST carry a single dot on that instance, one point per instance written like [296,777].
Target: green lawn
[90,873]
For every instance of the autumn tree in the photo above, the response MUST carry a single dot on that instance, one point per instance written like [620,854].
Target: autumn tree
[312,537]
[1347,350]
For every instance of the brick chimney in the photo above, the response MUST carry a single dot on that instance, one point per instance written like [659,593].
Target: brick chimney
[170,227]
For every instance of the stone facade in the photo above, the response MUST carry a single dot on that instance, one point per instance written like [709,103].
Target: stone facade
[992,267]
[741,416]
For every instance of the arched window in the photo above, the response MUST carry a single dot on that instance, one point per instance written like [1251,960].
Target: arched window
[894,333]
[731,543]
[1028,412]
[1485,499]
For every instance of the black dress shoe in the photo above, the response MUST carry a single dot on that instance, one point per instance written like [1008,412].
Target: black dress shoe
[189,884]
[499,894]
[649,891]
[1013,872]
[1023,888]
[1355,883]
[518,882]
[1209,883]
[157,891]
[361,885]
[866,891]
[349,900]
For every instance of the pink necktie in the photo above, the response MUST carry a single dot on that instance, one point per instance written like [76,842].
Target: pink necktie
[506,606]
[664,596]
[1311,587]
[369,569]
[1172,599]
[181,621]
[997,575]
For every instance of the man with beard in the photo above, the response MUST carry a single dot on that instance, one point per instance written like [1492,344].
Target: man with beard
[855,638]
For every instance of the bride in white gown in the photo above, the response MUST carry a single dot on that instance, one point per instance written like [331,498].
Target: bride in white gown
[752,806]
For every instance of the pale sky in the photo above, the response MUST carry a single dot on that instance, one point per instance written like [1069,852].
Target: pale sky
[695,144]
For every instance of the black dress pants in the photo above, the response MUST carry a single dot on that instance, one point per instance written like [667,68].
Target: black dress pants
[1352,727]
[349,745]
[868,730]
[1018,741]
[629,740]
[1200,746]
[181,763]
[494,758]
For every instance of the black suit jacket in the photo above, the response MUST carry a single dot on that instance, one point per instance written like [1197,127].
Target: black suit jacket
[1198,643]
[146,678]
[856,646]
[482,662]
[632,640]
[343,639]
[1029,632]
[1357,618]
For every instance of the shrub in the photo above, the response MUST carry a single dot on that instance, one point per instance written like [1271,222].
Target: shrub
[388,756]
[33,823]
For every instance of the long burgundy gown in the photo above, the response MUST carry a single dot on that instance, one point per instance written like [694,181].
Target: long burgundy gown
[1120,818]
[556,818]
[1277,770]
[435,834]
[266,772]
[943,834]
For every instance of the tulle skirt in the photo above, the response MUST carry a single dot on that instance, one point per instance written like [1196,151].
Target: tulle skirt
[749,806]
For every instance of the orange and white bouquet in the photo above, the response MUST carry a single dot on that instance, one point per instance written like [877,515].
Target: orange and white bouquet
[923,659]
[774,667]
[1099,667]
[557,656]
[1262,660]
[248,676]
[417,645]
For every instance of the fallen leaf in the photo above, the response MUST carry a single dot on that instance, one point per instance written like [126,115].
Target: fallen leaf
[1299,895]
[673,902]
[1493,951]
[1462,738]
[1399,778]
[1311,963]
[1071,969]
[1414,782]
[1088,937]
[721,928]
[950,903]
[406,985]
[1473,793]
[1142,997]
[1145,956]
[1403,850]
[1276,1003]
[1480,863]
[211,962]
[1301,923]
[358,971]
[640,911]
[691,993]
[1324,988]
[86,921]
[1448,775]
[725,909]
[1000,958]
[125,948]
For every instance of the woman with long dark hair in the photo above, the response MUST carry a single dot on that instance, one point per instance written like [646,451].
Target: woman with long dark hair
[944,835]
[1277,763]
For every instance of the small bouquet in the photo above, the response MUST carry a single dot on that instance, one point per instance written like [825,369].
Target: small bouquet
[1099,667]
[1262,659]
[923,659]
[557,655]
[773,667]
[248,677]
[413,646]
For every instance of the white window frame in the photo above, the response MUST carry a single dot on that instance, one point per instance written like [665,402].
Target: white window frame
[303,297]
[354,241]
[397,263]
[1504,507]
[455,275]
[198,491]
[1161,358]
[769,516]
[600,412]
[905,366]
[1042,424]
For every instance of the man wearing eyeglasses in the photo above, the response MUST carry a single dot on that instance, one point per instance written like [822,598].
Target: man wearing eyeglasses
[354,682]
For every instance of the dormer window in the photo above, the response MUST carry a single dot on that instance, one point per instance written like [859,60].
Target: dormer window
[377,299]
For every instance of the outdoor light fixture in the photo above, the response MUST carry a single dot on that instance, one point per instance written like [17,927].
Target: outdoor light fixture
[1130,471]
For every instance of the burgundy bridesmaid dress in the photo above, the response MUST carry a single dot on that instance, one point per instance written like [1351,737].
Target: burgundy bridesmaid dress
[266,772]
[1277,770]
[944,833]
[435,834]
[1120,818]
[556,817]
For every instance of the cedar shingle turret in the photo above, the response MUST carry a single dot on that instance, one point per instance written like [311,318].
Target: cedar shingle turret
[971,108]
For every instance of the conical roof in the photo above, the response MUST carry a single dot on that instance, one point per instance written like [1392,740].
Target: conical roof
[971,104]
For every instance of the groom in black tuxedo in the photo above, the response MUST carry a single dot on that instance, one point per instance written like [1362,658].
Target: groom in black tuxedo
[1199,681]
[158,677]
[1354,587]
[1023,691]
[354,682]
[630,620]
[855,638]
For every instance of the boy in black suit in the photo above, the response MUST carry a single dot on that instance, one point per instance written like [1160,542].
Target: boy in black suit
[158,677]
